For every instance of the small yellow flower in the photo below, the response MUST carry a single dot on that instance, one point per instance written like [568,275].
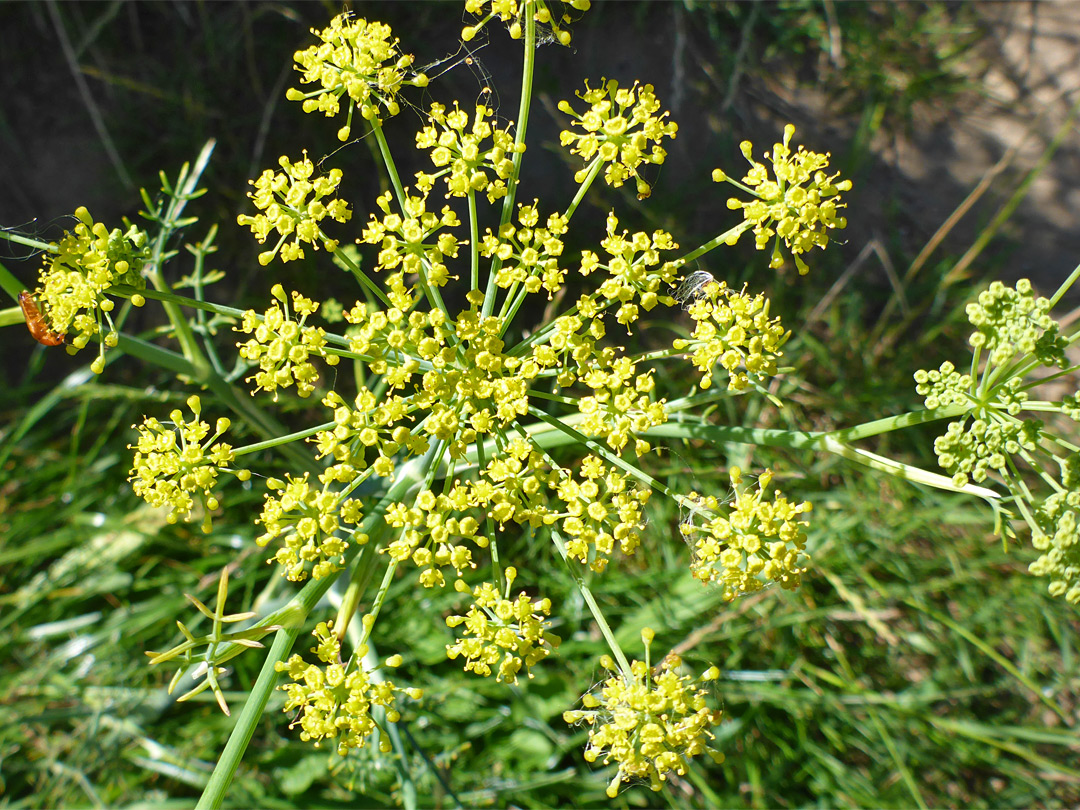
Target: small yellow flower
[308,521]
[283,197]
[335,700]
[72,285]
[510,11]
[461,156]
[732,332]
[750,543]
[498,631]
[282,346]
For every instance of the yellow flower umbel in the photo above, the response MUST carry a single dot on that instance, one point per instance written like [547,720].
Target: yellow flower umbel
[282,346]
[748,544]
[283,197]
[497,628]
[510,11]
[335,700]
[732,331]
[71,287]
[618,137]
[599,510]
[308,522]
[461,156]
[649,721]
[798,205]
[529,255]
[630,278]
[358,59]
[178,459]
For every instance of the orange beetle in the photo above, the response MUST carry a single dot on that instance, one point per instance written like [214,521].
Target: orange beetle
[35,321]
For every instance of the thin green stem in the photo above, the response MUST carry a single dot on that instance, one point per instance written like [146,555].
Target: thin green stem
[594,607]
[527,69]
[583,188]
[388,161]
[826,442]
[728,237]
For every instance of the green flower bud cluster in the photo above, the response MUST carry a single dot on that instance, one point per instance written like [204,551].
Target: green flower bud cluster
[1057,536]
[511,11]
[463,160]
[971,449]
[335,700]
[1010,321]
[650,722]
[944,386]
[750,543]
[732,330]
[71,287]
[178,461]
[630,277]
[529,255]
[799,207]
[282,347]
[359,59]
[309,523]
[498,631]
[992,437]
[283,196]
[617,130]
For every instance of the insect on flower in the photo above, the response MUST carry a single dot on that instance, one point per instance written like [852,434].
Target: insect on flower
[35,321]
